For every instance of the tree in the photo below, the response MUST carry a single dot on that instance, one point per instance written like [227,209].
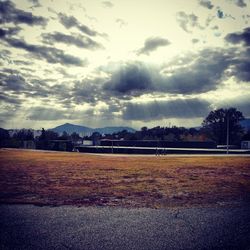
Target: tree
[24,135]
[95,137]
[75,137]
[4,137]
[48,135]
[4,134]
[43,135]
[246,137]
[44,139]
[215,125]
[64,136]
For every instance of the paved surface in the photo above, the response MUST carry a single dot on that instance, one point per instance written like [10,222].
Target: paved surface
[31,227]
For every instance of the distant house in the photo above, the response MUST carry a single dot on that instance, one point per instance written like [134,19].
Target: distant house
[245,144]
[87,142]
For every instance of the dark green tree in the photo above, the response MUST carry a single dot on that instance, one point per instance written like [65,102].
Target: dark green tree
[4,134]
[246,137]
[215,125]
[95,137]
[45,138]
[75,137]
[4,137]
[64,136]
[48,135]
[24,135]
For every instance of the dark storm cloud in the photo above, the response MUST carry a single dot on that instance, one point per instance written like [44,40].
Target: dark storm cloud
[26,83]
[206,3]
[88,91]
[15,82]
[187,21]
[180,108]
[130,78]
[77,40]
[240,3]
[10,14]
[12,80]
[241,70]
[50,54]
[241,63]
[239,37]
[70,22]
[4,32]
[190,74]
[6,71]
[46,114]
[152,44]
[10,99]
[205,72]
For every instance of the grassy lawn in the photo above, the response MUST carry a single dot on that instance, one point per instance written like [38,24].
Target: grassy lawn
[57,178]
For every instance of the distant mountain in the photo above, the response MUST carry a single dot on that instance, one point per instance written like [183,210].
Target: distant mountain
[245,123]
[82,130]
[71,128]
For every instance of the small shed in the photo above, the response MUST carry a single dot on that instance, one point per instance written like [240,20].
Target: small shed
[87,142]
[245,144]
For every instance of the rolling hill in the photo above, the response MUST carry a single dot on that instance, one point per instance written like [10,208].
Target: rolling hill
[82,130]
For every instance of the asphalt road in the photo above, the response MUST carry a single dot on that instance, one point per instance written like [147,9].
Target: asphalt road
[67,227]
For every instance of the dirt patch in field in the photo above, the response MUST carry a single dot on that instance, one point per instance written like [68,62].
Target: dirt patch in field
[55,178]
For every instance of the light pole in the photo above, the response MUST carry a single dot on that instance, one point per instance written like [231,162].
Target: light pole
[227,132]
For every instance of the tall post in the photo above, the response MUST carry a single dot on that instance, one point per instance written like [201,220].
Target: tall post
[227,132]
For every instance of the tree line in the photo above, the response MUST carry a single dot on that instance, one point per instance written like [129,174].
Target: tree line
[214,128]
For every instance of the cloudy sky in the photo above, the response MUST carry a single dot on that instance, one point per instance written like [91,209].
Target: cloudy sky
[135,62]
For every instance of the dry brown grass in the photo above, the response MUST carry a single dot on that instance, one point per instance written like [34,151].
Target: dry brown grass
[57,178]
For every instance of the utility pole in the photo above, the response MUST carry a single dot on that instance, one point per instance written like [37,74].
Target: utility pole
[227,132]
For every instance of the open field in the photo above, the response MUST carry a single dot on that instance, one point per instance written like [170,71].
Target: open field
[56,178]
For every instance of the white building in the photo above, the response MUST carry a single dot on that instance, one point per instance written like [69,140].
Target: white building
[87,143]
